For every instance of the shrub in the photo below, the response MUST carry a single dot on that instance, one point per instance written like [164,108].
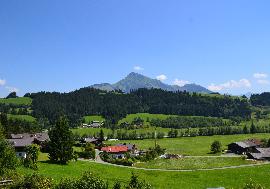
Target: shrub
[34,181]
[88,180]
[216,147]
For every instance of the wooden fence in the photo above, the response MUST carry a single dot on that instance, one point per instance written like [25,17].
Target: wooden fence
[5,182]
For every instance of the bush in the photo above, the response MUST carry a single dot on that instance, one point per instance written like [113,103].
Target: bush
[34,181]
[8,159]
[216,147]
[135,183]
[88,180]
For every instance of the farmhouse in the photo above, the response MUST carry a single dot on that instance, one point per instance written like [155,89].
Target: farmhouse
[93,124]
[116,151]
[244,147]
[21,141]
[95,141]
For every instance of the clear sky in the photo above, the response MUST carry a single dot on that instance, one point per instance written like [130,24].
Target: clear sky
[65,44]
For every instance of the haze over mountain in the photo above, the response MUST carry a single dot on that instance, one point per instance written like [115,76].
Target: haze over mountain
[135,81]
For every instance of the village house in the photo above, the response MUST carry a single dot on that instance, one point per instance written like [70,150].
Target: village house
[118,152]
[95,141]
[93,124]
[244,147]
[21,141]
[170,156]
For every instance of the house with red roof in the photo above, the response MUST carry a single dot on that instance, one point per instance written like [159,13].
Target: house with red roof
[116,151]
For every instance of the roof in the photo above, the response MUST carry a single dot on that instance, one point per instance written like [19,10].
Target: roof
[21,142]
[115,149]
[262,153]
[248,143]
[26,139]
[129,146]
[39,136]
[90,140]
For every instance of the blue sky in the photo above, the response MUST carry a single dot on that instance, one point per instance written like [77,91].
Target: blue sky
[65,44]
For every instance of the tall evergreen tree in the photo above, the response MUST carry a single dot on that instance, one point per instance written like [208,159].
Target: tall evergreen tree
[61,142]
[101,135]
[245,130]
[12,95]
[4,120]
[253,128]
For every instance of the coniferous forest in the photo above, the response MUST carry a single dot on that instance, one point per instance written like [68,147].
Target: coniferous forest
[116,105]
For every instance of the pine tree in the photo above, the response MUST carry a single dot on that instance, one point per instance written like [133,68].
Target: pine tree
[61,142]
[253,128]
[245,130]
[101,135]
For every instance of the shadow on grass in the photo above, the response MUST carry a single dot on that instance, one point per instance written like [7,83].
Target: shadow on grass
[213,153]
[52,162]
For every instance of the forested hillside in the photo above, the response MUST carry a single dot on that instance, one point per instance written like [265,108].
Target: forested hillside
[260,99]
[115,105]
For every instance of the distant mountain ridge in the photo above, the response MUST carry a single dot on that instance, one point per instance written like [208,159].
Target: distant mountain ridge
[135,81]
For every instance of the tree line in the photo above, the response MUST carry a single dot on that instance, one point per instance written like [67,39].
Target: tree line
[262,99]
[114,106]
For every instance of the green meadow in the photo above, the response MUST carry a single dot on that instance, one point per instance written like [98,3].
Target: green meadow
[193,163]
[22,117]
[193,146]
[145,116]
[17,101]
[88,119]
[229,178]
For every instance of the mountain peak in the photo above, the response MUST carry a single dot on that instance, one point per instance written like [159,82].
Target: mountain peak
[134,74]
[135,81]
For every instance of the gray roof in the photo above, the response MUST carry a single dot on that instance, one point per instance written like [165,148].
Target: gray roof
[26,139]
[265,152]
[90,140]
[21,142]
[256,155]
[244,144]
[40,136]
[247,143]
[262,153]
[129,146]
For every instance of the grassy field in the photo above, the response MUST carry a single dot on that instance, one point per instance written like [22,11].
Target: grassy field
[17,101]
[192,145]
[90,131]
[192,163]
[88,119]
[145,116]
[229,178]
[22,117]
